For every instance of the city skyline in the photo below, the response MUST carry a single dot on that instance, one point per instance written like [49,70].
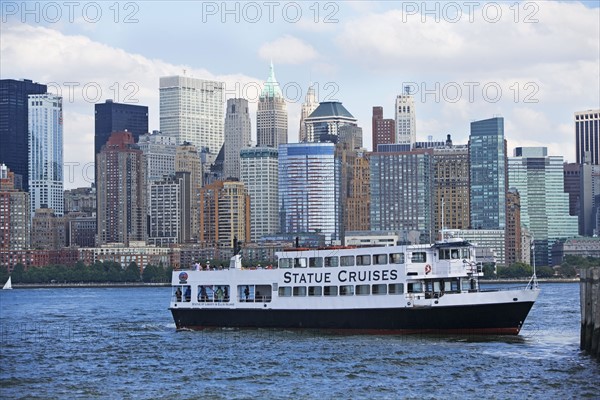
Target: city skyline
[372,72]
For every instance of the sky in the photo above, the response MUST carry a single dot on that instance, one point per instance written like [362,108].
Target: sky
[533,62]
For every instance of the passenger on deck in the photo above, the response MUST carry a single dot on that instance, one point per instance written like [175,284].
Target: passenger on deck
[219,294]
[247,292]
[178,294]
[188,294]
[203,296]
[226,294]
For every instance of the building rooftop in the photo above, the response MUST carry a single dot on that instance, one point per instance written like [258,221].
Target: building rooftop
[330,109]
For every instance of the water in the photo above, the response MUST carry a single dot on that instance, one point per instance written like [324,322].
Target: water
[122,343]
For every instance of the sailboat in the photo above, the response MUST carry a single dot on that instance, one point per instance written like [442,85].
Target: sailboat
[8,284]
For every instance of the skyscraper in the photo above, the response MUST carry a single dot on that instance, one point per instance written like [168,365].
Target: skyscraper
[46,152]
[117,117]
[310,104]
[237,135]
[188,160]
[512,238]
[224,214]
[544,204]
[309,189]
[487,158]
[192,110]
[15,221]
[121,191]
[271,116]
[406,125]
[451,187]
[323,124]
[402,193]
[587,137]
[167,210]
[259,172]
[14,137]
[383,130]
[357,210]
[159,151]
[589,200]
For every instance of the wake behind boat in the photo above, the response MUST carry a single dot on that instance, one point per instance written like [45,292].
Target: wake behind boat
[394,289]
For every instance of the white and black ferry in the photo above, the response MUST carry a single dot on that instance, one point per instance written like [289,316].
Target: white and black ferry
[392,289]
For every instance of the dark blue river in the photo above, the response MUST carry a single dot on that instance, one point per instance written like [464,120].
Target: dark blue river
[121,343]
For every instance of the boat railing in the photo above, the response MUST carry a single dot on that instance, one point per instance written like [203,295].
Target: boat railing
[255,299]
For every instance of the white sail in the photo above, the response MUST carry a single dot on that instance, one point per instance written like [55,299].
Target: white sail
[8,284]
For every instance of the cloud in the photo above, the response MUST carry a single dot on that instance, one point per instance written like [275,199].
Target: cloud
[86,72]
[287,50]
[395,38]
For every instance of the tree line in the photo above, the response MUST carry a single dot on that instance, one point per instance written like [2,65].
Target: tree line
[568,269]
[99,272]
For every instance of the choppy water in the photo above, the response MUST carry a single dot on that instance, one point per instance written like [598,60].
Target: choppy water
[122,343]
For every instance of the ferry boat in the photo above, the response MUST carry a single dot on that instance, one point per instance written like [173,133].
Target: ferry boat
[385,289]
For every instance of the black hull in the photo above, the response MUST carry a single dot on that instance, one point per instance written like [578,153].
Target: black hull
[503,319]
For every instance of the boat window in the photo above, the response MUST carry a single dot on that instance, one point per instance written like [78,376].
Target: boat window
[330,291]
[346,290]
[347,261]
[379,289]
[332,262]
[315,262]
[444,254]
[447,287]
[454,286]
[362,290]
[315,290]
[464,284]
[210,293]
[285,263]
[436,286]
[380,259]
[246,293]
[415,287]
[177,293]
[465,253]
[396,288]
[263,294]
[397,258]
[419,257]
[363,260]
[300,262]
[300,291]
[454,254]
[285,291]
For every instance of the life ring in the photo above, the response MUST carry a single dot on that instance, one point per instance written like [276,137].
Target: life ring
[427,269]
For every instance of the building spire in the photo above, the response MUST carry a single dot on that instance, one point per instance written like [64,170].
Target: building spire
[271,88]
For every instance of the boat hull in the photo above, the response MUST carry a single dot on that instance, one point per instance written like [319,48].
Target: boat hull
[495,319]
